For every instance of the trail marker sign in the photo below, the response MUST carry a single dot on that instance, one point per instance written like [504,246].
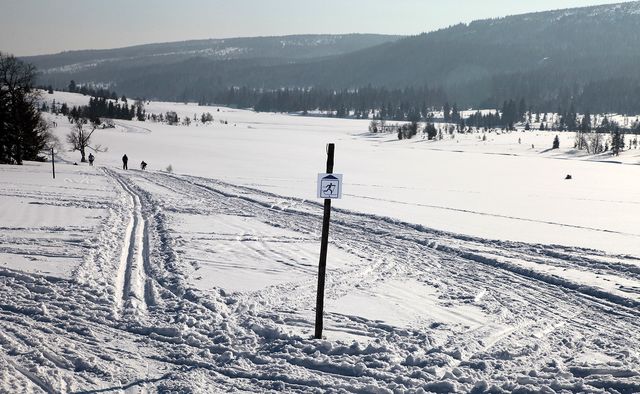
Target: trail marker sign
[330,186]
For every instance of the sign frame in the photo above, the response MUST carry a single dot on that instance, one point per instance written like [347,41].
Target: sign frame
[324,186]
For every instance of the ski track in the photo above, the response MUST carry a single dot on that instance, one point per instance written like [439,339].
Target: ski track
[131,128]
[31,377]
[601,300]
[260,340]
[131,280]
[551,223]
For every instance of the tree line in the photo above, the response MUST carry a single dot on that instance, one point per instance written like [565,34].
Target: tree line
[362,103]
[102,108]
[89,90]
[99,108]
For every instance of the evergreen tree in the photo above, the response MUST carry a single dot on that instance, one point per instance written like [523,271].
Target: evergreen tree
[140,113]
[23,132]
[585,125]
[431,131]
[455,114]
[446,111]
[522,109]
[570,122]
[616,143]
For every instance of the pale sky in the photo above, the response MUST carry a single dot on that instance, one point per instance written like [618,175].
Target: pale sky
[29,27]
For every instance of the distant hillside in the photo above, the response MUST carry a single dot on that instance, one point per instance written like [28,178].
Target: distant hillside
[588,54]
[117,66]
[587,57]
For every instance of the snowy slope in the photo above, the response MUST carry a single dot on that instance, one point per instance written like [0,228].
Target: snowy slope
[493,189]
[408,307]
[204,280]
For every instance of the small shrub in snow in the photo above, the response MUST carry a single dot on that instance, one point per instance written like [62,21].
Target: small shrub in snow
[373,127]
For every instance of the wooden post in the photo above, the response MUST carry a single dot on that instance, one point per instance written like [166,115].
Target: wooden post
[53,164]
[322,267]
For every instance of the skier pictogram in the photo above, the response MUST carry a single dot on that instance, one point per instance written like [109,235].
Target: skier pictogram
[329,186]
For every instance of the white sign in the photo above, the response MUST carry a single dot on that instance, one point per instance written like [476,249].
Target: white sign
[330,186]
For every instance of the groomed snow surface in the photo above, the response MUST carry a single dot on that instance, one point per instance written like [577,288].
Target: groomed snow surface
[459,265]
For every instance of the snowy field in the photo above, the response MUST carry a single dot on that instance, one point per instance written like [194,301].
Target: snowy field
[454,266]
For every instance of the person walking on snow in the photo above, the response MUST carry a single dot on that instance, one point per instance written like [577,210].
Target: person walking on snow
[143,165]
[91,159]
[125,159]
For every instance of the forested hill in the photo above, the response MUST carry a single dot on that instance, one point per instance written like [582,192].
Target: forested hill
[588,57]
[154,62]
[588,54]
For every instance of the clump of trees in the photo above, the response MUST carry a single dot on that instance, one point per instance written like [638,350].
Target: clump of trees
[598,137]
[100,107]
[102,104]
[510,114]
[407,131]
[23,131]
[206,118]
[172,118]
[89,90]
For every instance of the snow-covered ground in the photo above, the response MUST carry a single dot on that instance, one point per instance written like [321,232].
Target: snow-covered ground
[457,265]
